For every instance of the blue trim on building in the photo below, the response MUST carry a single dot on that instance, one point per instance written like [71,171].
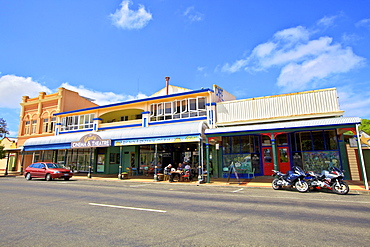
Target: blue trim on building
[145,112]
[97,118]
[76,131]
[152,137]
[136,101]
[121,126]
[47,147]
[178,121]
[58,124]
[209,104]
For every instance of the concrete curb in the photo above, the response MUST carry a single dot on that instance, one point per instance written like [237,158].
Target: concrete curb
[250,183]
[354,186]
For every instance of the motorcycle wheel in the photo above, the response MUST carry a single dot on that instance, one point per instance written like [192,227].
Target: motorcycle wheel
[340,188]
[302,186]
[275,185]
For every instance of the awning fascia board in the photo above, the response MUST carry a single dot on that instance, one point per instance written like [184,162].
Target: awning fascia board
[64,141]
[279,127]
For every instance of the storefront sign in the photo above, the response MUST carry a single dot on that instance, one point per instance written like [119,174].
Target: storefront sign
[90,141]
[173,139]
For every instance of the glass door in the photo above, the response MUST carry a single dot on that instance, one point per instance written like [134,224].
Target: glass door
[268,161]
[283,159]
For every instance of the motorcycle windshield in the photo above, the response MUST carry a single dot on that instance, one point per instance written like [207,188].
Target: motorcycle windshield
[298,170]
[337,171]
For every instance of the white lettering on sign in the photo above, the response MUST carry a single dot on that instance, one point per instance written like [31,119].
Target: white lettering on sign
[91,140]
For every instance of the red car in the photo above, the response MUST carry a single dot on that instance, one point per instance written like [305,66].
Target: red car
[47,170]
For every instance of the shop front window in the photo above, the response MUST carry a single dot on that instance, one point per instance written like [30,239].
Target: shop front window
[305,141]
[242,152]
[315,150]
[318,140]
[266,141]
[235,142]
[331,140]
[226,144]
[282,140]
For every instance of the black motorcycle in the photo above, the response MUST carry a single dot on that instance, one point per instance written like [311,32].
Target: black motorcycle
[293,178]
[331,180]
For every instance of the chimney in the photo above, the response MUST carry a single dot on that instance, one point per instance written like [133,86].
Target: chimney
[167,84]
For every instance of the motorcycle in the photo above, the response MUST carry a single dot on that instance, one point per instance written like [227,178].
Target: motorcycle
[331,180]
[293,178]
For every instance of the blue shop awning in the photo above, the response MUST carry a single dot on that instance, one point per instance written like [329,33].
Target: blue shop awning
[132,136]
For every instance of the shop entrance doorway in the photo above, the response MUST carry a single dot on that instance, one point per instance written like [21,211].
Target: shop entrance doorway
[268,161]
[283,159]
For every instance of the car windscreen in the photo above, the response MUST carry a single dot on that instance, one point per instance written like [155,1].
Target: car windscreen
[53,165]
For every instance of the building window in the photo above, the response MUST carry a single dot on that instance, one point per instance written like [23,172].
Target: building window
[52,124]
[316,150]
[186,108]
[45,125]
[77,122]
[34,127]
[27,128]
[242,152]
[124,118]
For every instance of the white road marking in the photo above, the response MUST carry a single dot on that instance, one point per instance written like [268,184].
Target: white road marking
[140,185]
[237,190]
[123,207]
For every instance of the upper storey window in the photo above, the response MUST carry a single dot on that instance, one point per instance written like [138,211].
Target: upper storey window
[185,108]
[34,127]
[27,128]
[77,122]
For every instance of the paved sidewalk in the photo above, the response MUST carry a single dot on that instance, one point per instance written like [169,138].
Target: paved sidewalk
[257,182]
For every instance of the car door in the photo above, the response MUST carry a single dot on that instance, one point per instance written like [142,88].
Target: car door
[39,170]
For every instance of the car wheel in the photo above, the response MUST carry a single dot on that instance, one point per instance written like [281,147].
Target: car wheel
[48,177]
[28,176]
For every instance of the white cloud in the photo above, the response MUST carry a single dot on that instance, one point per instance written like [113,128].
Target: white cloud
[336,60]
[235,67]
[327,21]
[193,15]
[13,87]
[354,101]
[363,23]
[301,59]
[126,18]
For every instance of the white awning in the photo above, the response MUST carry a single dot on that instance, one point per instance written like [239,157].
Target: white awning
[44,143]
[335,122]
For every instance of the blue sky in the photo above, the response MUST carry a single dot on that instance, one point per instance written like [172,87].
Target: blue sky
[114,51]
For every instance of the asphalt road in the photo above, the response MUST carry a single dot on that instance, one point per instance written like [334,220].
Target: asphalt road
[123,213]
